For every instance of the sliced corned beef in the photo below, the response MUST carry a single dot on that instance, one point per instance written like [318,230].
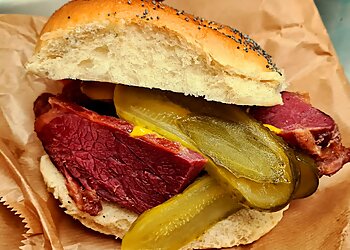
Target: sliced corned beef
[307,128]
[101,161]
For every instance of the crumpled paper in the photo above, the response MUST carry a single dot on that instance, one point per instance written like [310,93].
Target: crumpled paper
[292,33]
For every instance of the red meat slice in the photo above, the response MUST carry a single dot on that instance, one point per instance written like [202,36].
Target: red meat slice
[101,161]
[307,128]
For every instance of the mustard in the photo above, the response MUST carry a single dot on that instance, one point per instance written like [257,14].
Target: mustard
[273,128]
[141,131]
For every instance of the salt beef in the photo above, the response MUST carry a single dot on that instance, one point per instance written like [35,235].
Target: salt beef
[102,162]
[308,129]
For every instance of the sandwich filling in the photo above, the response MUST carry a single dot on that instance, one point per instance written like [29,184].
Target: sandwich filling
[106,158]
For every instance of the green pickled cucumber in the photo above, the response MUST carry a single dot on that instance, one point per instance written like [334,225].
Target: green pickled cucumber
[152,110]
[247,153]
[244,157]
[182,218]
[309,180]
[261,196]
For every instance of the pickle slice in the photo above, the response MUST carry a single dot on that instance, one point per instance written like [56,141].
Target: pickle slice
[182,218]
[308,182]
[261,196]
[153,109]
[304,168]
[240,149]
[252,131]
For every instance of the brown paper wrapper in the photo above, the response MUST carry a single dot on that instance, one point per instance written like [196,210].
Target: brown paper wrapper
[292,33]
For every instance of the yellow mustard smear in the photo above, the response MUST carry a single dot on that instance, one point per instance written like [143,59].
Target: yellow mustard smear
[273,128]
[141,131]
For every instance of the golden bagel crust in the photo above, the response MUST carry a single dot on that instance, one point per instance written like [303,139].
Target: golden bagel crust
[226,45]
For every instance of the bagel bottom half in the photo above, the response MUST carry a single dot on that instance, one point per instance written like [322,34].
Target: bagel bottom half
[242,227]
